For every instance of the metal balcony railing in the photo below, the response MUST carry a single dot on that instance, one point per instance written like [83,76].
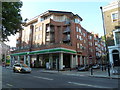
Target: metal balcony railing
[67,22]
[67,39]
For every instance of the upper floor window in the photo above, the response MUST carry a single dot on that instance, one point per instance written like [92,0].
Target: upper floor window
[77,45]
[36,29]
[40,28]
[117,37]
[77,20]
[80,38]
[84,34]
[84,41]
[114,16]
[77,29]
[90,37]
[77,36]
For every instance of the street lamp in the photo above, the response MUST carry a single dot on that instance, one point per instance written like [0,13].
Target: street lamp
[107,57]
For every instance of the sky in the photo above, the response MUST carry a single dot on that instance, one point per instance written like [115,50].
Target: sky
[89,11]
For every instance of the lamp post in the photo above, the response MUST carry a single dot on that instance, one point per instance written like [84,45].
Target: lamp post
[107,57]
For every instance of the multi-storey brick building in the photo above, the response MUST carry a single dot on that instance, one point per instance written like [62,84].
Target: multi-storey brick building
[99,49]
[56,37]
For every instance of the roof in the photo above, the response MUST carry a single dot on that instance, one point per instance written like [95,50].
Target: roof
[49,12]
[60,12]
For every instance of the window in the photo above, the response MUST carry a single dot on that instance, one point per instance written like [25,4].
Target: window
[77,29]
[36,29]
[77,20]
[114,17]
[80,38]
[68,36]
[39,36]
[77,45]
[117,37]
[90,43]
[84,34]
[84,41]
[77,36]
[40,28]
[81,46]
[90,37]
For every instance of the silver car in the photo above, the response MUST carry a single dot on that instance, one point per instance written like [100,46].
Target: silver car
[21,68]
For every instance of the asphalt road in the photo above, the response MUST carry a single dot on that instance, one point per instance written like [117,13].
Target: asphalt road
[38,79]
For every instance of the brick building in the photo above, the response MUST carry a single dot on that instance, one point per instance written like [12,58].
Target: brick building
[57,38]
[111,14]
[100,50]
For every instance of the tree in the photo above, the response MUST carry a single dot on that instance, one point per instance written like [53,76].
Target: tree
[11,19]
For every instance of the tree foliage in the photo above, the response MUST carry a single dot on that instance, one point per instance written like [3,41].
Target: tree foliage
[11,19]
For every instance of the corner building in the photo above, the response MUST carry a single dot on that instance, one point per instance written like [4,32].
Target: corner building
[57,38]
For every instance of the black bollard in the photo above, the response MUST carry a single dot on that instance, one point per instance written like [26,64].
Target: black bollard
[108,70]
[105,68]
[91,71]
[70,68]
[102,67]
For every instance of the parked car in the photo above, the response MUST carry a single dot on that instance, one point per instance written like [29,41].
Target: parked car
[21,68]
[97,66]
[83,68]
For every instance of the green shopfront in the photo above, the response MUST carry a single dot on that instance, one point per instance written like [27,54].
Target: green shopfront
[48,58]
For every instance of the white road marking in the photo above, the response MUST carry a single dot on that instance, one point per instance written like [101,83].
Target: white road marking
[9,85]
[43,78]
[88,85]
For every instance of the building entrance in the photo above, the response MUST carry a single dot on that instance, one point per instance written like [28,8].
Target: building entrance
[116,58]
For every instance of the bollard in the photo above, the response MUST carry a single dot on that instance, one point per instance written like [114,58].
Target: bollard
[91,71]
[105,68]
[102,67]
[108,71]
[70,68]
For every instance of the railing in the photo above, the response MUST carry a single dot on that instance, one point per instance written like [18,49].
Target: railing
[66,39]
[67,22]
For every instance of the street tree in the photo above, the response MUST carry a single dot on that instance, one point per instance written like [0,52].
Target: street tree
[11,19]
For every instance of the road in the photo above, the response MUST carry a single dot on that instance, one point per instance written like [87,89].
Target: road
[38,79]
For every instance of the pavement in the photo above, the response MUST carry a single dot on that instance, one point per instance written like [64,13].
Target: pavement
[97,73]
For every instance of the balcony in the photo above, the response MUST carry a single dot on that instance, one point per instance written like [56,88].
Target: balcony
[67,39]
[49,38]
[67,31]
[67,22]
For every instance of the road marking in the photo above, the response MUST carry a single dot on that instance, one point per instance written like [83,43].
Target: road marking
[9,85]
[43,78]
[88,85]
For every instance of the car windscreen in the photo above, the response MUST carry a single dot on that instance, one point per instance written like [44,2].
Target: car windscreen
[17,65]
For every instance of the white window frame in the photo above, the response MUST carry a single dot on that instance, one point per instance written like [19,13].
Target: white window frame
[112,16]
